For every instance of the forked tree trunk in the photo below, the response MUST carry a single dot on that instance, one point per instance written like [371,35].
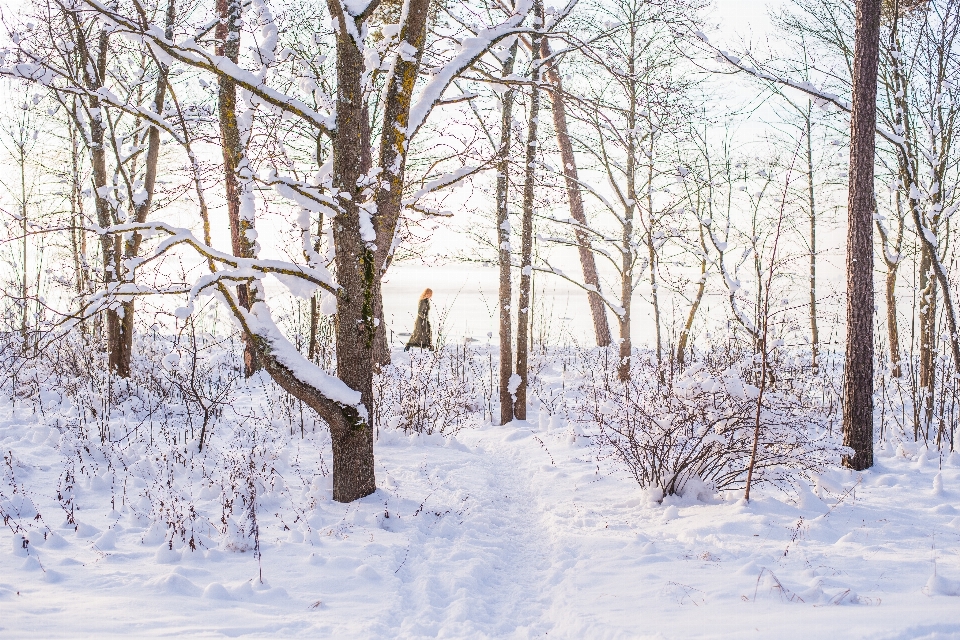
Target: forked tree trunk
[587,260]
[132,248]
[526,243]
[228,45]
[503,241]
[858,374]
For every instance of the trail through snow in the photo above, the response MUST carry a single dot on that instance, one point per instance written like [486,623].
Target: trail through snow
[499,532]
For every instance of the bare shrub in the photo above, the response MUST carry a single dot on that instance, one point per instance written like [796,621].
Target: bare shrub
[434,391]
[698,428]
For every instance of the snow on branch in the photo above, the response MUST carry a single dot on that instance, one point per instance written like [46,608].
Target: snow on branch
[471,50]
[314,274]
[190,53]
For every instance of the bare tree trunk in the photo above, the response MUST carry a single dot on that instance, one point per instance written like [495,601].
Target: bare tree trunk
[891,257]
[314,307]
[76,214]
[893,330]
[94,69]
[393,158]
[812,202]
[228,45]
[630,206]
[524,312]
[587,260]
[928,342]
[24,229]
[652,256]
[858,374]
[132,248]
[701,288]
[503,238]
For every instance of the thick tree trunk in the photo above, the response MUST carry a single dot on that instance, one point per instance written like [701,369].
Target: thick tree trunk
[524,312]
[228,45]
[858,374]
[587,260]
[503,242]
[357,273]
[132,248]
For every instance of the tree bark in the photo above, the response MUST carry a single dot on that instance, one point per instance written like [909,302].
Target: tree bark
[393,158]
[503,241]
[858,374]
[94,66]
[524,312]
[928,338]
[353,475]
[228,45]
[812,202]
[587,260]
[701,289]
[132,248]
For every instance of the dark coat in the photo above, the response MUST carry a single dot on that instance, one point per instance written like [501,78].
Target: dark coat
[422,332]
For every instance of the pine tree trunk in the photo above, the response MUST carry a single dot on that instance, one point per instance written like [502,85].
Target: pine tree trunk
[858,374]
[587,260]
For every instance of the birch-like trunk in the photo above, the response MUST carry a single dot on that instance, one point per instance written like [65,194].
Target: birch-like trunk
[524,311]
[503,241]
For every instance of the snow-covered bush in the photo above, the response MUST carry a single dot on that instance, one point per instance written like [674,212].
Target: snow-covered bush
[699,427]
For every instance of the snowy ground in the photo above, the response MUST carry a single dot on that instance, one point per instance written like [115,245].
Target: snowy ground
[510,531]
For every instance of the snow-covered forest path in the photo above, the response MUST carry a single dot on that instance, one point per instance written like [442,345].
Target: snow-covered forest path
[481,566]
[499,532]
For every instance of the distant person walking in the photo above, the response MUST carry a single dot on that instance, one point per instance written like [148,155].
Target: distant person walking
[422,333]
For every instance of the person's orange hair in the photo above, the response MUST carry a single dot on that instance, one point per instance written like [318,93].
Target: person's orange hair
[427,293]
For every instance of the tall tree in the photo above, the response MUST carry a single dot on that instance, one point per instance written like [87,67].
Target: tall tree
[526,237]
[588,263]
[858,372]
[503,239]
[241,227]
